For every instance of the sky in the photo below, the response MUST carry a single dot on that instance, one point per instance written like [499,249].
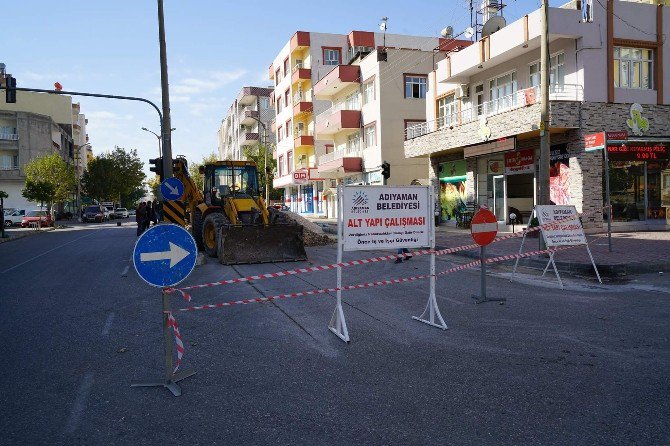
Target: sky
[213,48]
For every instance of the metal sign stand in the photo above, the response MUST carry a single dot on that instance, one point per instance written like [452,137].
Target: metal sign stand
[338,324]
[171,379]
[551,257]
[483,298]
[432,310]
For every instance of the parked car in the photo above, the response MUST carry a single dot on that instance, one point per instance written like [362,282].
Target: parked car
[132,212]
[35,217]
[280,206]
[96,214]
[121,213]
[14,219]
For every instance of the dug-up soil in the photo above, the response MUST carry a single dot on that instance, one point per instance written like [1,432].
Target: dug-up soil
[313,234]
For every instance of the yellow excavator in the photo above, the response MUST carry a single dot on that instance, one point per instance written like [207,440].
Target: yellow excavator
[230,220]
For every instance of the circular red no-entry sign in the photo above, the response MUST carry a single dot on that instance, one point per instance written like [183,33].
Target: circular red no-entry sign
[484,227]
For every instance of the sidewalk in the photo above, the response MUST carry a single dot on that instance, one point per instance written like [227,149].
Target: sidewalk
[632,252]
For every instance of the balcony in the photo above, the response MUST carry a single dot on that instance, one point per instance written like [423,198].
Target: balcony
[248,116]
[345,161]
[303,140]
[248,95]
[338,81]
[299,41]
[302,108]
[300,74]
[334,121]
[9,137]
[520,99]
[249,138]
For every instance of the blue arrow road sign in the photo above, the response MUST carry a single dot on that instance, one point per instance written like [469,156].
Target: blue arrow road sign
[172,189]
[165,255]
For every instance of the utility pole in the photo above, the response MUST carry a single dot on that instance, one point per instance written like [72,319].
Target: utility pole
[165,88]
[543,196]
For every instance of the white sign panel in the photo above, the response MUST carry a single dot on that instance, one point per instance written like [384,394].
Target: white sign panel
[567,231]
[385,217]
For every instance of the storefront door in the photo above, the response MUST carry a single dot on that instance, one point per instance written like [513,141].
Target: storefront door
[499,197]
[308,192]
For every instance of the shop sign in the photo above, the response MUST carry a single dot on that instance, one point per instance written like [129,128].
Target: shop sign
[495,167]
[638,151]
[563,227]
[521,161]
[452,171]
[616,136]
[385,217]
[300,176]
[594,141]
[559,152]
[374,177]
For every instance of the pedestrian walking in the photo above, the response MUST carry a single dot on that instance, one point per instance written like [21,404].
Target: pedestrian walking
[404,252]
[140,217]
[149,215]
[154,214]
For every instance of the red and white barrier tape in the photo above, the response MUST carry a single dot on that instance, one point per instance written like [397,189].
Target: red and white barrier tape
[180,345]
[368,284]
[172,322]
[439,252]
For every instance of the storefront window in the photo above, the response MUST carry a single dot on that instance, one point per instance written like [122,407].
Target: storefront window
[627,190]
[452,189]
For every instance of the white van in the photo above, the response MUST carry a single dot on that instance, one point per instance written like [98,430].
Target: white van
[15,218]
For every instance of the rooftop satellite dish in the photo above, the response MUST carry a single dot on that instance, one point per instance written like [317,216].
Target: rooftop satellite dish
[495,23]
[447,32]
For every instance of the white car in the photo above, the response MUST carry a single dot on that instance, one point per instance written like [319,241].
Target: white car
[121,213]
[15,218]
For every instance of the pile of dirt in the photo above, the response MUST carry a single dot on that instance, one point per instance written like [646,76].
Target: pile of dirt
[313,234]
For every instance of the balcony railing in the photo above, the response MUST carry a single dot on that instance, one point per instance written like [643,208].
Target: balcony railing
[349,152]
[334,109]
[303,96]
[519,99]
[299,66]
[9,136]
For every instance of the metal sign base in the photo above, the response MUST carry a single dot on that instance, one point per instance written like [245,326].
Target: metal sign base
[171,385]
[171,379]
[432,311]
[338,325]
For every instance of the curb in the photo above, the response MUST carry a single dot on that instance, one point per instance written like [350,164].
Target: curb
[24,234]
[605,270]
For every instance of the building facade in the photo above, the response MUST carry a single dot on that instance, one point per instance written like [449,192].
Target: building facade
[324,112]
[36,125]
[482,132]
[240,128]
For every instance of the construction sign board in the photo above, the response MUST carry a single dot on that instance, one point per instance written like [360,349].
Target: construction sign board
[567,231]
[385,217]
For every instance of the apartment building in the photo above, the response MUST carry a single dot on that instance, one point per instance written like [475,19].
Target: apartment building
[79,139]
[241,128]
[37,124]
[324,112]
[483,116]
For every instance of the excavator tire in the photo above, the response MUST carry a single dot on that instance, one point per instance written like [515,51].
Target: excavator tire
[196,228]
[211,232]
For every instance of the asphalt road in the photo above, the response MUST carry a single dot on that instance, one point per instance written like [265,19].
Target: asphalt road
[587,365]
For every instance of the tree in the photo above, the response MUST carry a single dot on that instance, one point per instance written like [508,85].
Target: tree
[154,184]
[39,192]
[257,155]
[52,170]
[194,170]
[115,176]
[97,180]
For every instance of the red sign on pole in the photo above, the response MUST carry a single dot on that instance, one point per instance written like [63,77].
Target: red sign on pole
[594,141]
[484,227]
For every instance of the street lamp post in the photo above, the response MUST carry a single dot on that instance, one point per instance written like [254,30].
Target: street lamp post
[78,155]
[264,143]
[160,152]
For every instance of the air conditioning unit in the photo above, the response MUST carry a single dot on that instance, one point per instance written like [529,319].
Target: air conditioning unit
[462,91]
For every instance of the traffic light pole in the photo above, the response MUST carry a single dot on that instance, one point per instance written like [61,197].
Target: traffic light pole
[93,95]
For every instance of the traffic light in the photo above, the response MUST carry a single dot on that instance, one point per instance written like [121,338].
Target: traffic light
[10,92]
[386,170]
[157,167]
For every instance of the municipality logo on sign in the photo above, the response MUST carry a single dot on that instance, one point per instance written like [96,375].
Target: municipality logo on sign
[359,203]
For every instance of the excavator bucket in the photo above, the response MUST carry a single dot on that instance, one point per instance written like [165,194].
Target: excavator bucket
[261,244]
